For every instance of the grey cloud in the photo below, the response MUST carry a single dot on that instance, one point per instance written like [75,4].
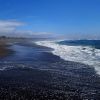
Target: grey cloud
[8,26]
[10,23]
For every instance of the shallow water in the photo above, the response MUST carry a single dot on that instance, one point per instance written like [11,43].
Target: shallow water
[29,54]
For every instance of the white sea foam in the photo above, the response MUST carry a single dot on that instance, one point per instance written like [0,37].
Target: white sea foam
[83,54]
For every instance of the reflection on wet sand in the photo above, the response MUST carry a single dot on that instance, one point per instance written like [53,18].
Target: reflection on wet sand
[4,51]
[5,43]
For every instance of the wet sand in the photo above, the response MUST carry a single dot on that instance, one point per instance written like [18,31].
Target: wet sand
[26,82]
[4,51]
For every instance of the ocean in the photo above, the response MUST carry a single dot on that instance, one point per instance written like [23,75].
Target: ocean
[82,51]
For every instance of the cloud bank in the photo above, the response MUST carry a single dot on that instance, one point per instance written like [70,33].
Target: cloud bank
[10,28]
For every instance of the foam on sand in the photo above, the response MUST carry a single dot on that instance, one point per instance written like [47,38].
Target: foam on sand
[83,54]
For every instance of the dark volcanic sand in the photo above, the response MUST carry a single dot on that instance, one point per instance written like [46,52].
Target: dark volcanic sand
[43,76]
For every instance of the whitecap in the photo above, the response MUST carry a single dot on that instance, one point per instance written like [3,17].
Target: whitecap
[83,54]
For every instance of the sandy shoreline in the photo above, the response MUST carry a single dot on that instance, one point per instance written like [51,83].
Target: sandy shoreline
[59,80]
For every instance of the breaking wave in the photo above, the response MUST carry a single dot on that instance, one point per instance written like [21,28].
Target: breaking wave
[82,54]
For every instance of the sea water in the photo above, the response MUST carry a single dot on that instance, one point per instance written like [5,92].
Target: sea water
[83,51]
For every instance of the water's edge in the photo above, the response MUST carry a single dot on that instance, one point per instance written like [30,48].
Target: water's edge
[85,55]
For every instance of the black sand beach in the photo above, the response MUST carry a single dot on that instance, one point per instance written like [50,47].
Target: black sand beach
[34,73]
